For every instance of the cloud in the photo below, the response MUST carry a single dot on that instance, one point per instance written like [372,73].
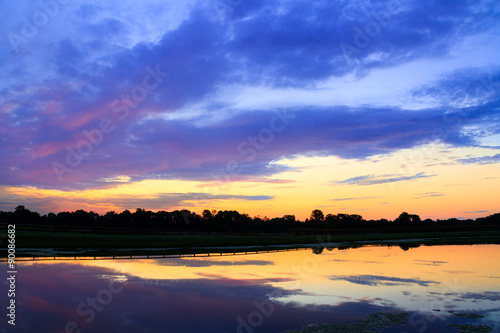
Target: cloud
[359,261]
[382,179]
[486,295]
[161,201]
[94,62]
[210,263]
[430,262]
[428,195]
[481,160]
[476,211]
[118,179]
[460,88]
[468,296]
[168,200]
[358,198]
[378,280]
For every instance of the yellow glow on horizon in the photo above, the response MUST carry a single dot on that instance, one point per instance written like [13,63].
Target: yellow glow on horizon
[426,181]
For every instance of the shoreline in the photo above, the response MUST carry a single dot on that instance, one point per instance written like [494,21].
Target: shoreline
[48,245]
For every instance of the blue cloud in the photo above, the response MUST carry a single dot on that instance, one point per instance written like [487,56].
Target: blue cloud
[162,201]
[382,179]
[301,40]
[99,57]
[379,280]
[481,160]
[465,86]
[180,149]
[166,200]
[210,263]
[430,262]
[348,199]
[428,195]
[476,211]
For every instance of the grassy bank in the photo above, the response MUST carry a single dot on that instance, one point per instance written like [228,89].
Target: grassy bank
[30,243]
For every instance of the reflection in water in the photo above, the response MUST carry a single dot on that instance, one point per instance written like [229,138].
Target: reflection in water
[261,293]
[377,280]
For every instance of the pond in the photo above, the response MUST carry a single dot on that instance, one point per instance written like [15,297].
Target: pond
[265,292]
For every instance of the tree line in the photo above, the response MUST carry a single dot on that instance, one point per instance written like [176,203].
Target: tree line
[231,220]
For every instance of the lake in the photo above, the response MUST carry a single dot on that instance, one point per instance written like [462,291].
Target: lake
[264,292]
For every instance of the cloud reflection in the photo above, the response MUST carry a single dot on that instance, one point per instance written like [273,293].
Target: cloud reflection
[379,280]
[430,262]
[51,294]
[209,263]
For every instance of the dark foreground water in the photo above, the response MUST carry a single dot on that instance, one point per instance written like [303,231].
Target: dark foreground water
[270,292]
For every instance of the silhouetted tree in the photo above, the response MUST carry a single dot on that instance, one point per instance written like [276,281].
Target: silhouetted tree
[317,215]
[415,218]
[407,246]
[125,218]
[21,214]
[207,215]
[232,220]
[331,221]
[110,218]
[20,209]
[403,219]
[318,250]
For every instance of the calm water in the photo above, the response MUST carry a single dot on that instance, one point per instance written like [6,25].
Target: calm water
[269,292]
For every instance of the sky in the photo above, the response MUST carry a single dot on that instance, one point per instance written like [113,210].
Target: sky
[265,107]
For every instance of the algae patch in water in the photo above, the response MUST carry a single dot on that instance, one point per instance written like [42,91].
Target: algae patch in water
[374,322]
[468,315]
[468,328]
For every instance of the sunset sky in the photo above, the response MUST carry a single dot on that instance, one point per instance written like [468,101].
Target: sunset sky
[265,107]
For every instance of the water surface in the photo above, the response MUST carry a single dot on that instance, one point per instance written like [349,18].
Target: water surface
[270,292]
